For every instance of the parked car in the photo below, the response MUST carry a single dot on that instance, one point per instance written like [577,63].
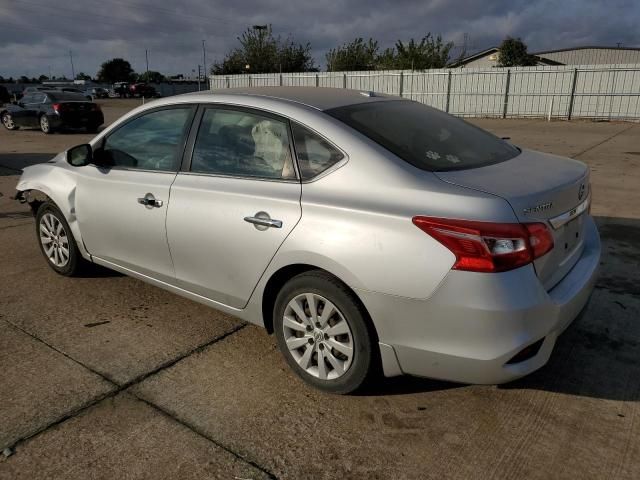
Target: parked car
[121,89]
[142,90]
[35,89]
[52,110]
[96,92]
[5,96]
[364,230]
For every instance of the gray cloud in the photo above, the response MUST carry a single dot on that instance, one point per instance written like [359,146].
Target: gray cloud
[36,35]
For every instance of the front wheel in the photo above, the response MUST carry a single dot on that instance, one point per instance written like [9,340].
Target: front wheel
[322,331]
[45,126]
[56,240]
[7,121]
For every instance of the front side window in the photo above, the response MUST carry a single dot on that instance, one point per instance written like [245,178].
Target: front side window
[149,142]
[242,144]
[425,137]
[315,154]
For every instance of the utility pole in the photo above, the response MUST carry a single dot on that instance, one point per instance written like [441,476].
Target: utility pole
[146,56]
[204,58]
[73,73]
[199,66]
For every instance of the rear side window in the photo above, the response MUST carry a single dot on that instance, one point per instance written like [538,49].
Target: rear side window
[315,154]
[425,137]
[243,144]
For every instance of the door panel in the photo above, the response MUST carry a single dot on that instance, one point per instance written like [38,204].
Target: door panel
[117,227]
[216,253]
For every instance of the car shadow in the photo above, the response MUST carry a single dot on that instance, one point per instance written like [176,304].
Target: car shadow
[598,356]
[13,163]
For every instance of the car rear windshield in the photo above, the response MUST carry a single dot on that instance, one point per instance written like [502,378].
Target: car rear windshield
[67,97]
[425,137]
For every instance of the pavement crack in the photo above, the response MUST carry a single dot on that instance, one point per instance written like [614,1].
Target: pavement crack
[204,435]
[602,142]
[117,387]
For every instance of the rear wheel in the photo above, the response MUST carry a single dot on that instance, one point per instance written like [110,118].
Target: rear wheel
[7,121]
[45,126]
[322,332]
[56,241]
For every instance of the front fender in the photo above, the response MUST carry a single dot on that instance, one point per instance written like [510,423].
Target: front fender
[58,182]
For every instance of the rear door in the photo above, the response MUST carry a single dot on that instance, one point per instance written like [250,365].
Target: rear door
[25,115]
[234,203]
[122,205]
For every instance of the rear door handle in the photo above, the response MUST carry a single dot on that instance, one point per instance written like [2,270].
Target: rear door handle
[262,221]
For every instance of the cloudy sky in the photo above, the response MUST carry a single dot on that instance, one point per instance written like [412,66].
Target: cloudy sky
[37,35]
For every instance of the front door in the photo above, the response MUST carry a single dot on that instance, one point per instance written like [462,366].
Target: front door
[235,206]
[122,202]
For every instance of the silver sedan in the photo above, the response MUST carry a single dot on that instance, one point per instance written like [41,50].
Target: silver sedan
[370,233]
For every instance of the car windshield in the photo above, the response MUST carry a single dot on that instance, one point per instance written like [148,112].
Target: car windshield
[66,97]
[425,137]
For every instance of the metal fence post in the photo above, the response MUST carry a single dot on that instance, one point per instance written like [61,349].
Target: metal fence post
[448,91]
[317,80]
[573,93]
[280,79]
[228,82]
[344,80]
[401,83]
[249,80]
[506,94]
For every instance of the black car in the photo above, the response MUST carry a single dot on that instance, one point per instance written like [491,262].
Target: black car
[52,110]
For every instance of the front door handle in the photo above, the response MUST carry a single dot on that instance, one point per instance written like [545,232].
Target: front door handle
[262,221]
[150,201]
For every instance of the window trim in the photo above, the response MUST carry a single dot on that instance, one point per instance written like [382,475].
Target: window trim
[193,107]
[191,143]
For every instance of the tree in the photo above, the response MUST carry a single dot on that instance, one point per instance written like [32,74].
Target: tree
[83,76]
[429,52]
[116,70]
[513,53]
[152,77]
[264,53]
[42,78]
[355,55]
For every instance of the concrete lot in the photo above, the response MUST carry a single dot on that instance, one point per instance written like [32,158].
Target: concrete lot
[107,377]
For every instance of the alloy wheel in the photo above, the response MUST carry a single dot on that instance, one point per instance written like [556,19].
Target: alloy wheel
[318,336]
[54,240]
[7,121]
[44,124]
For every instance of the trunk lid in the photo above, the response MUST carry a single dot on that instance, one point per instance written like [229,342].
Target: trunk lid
[540,188]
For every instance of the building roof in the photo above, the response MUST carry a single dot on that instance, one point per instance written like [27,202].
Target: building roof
[320,98]
[588,47]
[492,50]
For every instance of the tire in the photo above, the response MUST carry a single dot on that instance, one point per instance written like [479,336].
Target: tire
[342,373]
[45,126]
[7,121]
[48,218]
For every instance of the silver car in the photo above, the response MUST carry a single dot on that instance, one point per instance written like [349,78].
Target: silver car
[368,232]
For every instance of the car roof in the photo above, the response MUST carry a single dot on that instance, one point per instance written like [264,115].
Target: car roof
[321,98]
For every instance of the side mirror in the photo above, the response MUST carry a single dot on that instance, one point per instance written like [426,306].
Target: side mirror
[80,155]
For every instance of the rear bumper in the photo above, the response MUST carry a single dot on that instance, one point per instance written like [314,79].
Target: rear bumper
[476,322]
[76,120]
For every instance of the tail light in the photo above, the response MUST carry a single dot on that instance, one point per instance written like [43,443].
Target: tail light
[488,246]
[57,107]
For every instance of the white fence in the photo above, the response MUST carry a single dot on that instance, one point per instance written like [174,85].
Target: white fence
[602,91]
